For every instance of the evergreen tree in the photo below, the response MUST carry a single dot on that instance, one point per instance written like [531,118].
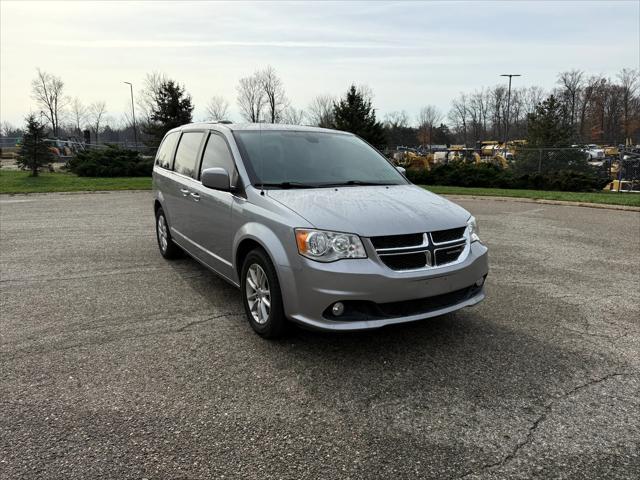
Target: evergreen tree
[442,135]
[548,129]
[172,108]
[548,126]
[354,114]
[34,153]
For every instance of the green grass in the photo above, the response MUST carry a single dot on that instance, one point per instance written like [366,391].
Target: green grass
[21,182]
[611,198]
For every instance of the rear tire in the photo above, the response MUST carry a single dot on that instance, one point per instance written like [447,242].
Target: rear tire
[168,249]
[261,295]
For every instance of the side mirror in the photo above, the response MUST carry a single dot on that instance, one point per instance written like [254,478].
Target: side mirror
[402,170]
[216,178]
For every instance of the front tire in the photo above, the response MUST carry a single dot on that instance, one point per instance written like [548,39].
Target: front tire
[261,295]
[168,249]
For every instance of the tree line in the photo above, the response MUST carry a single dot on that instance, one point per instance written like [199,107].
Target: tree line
[597,109]
[594,108]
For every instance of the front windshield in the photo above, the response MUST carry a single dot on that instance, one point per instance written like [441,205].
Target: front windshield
[296,159]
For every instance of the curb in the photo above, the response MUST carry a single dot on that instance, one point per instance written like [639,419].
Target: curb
[605,206]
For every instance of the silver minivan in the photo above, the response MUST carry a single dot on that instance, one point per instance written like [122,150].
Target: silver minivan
[314,226]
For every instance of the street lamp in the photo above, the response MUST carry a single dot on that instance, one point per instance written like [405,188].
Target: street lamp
[133,115]
[506,129]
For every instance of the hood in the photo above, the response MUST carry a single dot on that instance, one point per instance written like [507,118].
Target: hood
[373,210]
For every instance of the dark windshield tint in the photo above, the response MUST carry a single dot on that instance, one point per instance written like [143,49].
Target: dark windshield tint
[310,158]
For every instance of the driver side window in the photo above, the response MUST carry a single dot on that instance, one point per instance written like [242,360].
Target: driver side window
[217,154]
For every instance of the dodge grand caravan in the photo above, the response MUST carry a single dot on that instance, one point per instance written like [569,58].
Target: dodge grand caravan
[314,226]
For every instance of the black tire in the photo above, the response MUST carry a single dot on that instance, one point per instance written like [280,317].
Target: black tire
[276,323]
[170,250]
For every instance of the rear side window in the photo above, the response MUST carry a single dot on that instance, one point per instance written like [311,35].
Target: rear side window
[186,155]
[217,154]
[165,152]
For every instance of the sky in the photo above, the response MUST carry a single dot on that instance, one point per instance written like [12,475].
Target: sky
[410,54]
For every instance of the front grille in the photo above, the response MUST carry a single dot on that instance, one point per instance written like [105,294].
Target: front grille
[420,250]
[366,310]
[443,236]
[397,241]
[407,261]
[448,254]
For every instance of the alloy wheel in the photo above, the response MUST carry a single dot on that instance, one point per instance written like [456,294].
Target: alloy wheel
[258,294]
[162,233]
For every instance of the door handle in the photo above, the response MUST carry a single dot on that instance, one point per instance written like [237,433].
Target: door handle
[184,191]
[196,196]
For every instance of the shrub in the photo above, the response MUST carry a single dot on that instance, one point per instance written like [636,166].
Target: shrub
[112,161]
[484,175]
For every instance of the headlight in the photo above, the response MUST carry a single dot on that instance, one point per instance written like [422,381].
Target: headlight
[474,231]
[326,246]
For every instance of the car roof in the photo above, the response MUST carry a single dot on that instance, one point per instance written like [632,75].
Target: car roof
[255,126]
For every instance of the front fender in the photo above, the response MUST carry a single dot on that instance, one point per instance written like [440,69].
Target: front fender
[272,244]
[264,236]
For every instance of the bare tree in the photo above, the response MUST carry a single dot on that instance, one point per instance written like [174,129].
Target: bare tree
[366,91]
[590,93]
[218,109]
[293,116]
[78,115]
[251,98]
[275,98]
[532,98]
[630,102]
[459,115]
[97,111]
[397,119]
[571,83]
[149,93]
[48,91]
[478,108]
[498,110]
[428,117]
[321,111]
[517,116]
[8,130]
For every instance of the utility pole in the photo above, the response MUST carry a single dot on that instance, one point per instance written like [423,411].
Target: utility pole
[133,116]
[506,129]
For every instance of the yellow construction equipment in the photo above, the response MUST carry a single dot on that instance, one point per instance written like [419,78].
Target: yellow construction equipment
[623,186]
[409,159]
[611,151]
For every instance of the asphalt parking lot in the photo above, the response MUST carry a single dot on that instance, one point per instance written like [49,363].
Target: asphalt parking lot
[118,364]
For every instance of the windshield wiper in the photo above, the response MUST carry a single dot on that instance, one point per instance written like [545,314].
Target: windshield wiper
[287,185]
[357,183]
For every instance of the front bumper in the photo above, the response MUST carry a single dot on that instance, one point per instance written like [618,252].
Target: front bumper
[309,288]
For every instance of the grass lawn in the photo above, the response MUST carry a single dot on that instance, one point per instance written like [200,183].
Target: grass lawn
[612,198]
[21,182]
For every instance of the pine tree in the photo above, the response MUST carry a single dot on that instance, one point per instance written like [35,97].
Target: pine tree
[548,129]
[34,153]
[172,108]
[354,114]
[547,126]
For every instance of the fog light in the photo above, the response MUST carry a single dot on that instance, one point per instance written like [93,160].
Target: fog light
[337,309]
[480,282]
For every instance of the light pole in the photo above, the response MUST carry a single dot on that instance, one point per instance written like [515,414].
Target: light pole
[133,115]
[506,129]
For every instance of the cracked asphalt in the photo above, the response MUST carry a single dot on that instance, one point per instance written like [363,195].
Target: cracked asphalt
[118,364]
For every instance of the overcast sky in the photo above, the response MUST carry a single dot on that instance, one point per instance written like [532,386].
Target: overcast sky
[410,54]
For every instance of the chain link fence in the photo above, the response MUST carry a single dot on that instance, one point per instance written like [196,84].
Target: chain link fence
[613,163]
